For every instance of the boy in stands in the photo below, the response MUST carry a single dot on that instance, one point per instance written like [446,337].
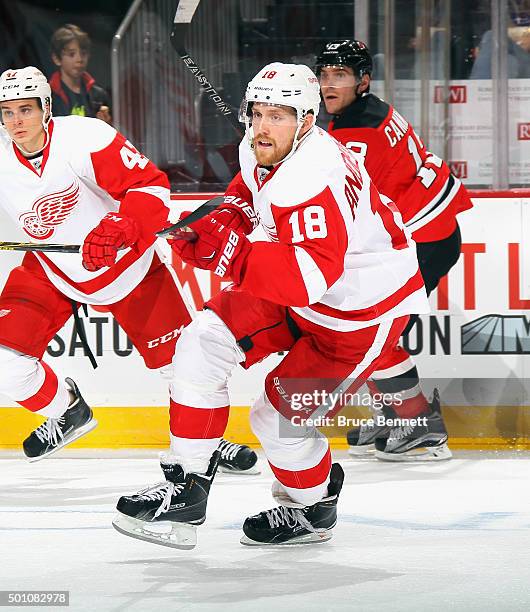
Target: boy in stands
[74,90]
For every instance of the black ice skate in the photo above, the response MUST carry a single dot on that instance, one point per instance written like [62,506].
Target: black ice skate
[426,441]
[293,523]
[237,458]
[361,441]
[53,434]
[168,513]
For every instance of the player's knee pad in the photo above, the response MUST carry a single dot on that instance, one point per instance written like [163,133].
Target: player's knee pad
[263,417]
[17,372]
[205,355]
[286,443]
[268,424]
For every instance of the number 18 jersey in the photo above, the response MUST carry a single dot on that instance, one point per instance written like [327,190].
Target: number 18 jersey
[337,252]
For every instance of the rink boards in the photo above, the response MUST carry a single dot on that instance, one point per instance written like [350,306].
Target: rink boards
[474,346]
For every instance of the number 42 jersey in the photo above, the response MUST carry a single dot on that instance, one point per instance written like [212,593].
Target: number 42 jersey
[87,170]
[337,252]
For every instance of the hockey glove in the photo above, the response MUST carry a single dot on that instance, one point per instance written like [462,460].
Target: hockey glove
[215,247]
[102,244]
[236,214]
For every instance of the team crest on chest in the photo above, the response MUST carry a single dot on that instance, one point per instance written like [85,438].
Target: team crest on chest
[50,211]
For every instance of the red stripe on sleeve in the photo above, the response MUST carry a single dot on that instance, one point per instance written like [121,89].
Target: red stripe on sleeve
[272,271]
[118,169]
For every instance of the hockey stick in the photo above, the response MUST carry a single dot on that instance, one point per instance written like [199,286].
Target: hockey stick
[30,246]
[183,16]
[197,214]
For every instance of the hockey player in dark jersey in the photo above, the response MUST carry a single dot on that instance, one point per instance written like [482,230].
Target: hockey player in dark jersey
[428,197]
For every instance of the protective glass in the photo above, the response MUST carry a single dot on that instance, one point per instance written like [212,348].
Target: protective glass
[336,76]
[243,111]
[24,112]
[272,115]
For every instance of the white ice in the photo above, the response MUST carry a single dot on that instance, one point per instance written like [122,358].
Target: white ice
[446,536]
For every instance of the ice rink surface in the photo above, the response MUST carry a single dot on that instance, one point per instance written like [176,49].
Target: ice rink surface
[446,536]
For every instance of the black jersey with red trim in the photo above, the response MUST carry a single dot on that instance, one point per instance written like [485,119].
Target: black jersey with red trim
[421,184]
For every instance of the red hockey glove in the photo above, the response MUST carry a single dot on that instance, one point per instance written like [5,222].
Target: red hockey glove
[237,214]
[229,218]
[216,248]
[113,232]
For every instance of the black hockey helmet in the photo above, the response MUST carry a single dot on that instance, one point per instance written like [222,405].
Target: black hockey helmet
[352,53]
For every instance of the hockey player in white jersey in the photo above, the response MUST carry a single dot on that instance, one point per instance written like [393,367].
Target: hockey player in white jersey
[76,180]
[334,285]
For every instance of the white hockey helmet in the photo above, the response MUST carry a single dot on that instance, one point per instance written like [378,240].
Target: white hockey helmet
[293,85]
[29,82]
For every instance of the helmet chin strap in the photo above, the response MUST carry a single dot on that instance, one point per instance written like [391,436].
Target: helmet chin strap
[32,153]
[360,94]
[296,141]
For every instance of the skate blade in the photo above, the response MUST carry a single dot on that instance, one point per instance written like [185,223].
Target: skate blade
[253,471]
[366,451]
[79,433]
[426,453]
[309,538]
[164,533]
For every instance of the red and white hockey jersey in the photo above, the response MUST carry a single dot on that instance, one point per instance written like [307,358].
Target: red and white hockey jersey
[427,195]
[340,256]
[87,170]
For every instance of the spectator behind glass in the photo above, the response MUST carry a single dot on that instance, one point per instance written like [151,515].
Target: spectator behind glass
[518,46]
[74,90]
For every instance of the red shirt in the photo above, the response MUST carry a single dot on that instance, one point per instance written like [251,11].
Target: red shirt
[425,191]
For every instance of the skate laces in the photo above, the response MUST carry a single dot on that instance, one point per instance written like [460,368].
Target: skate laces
[50,431]
[290,517]
[228,449]
[366,427]
[162,491]
[398,433]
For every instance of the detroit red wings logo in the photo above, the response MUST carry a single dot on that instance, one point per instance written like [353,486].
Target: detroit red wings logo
[49,211]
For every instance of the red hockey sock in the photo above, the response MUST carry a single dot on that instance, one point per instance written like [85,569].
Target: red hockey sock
[197,423]
[45,394]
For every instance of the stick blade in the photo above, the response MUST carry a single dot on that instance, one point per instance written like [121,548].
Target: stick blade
[198,213]
[185,11]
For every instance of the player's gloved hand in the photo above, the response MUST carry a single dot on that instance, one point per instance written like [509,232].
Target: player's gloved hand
[229,218]
[102,244]
[213,247]
[237,214]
